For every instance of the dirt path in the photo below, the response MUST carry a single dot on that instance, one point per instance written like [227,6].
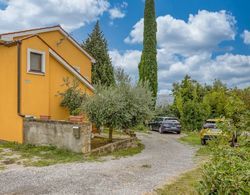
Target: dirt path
[163,159]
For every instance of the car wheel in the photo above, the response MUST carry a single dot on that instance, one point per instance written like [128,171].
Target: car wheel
[203,142]
[178,132]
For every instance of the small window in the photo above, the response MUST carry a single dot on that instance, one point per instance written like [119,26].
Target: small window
[36,62]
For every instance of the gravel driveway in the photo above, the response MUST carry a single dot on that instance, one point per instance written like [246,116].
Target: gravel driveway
[163,159]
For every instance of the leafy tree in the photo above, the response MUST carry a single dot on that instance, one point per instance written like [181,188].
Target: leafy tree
[216,101]
[96,45]
[219,86]
[105,108]
[148,65]
[72,97]
[244,95]
[235,113]
[138,104]
[121,76]
[188,103]
[165,110]
[119,106]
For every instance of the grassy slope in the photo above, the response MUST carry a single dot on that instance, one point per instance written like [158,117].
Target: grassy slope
[184,185]
[28,155]
[129,152]
[187,182]
[38,155]
[191,138]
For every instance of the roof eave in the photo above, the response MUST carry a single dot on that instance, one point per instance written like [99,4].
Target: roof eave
[8,36]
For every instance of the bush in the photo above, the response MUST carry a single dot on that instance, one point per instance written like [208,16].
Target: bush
[227,173]
[141,127]
[165,110]
[121,106]
[72,97]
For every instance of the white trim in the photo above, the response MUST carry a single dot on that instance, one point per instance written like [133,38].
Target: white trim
[31,32]
[71,69]
[38,31]
[29,50]
[78,68]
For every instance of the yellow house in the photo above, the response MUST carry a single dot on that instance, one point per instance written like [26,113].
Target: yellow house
[33,64]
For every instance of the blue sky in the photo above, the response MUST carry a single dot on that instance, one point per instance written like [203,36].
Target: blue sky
[207,39]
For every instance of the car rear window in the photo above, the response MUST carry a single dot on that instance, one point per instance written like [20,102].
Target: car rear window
[172,122]
[210,125]
[170,119]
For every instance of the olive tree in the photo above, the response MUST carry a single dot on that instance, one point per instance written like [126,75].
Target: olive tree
[120,106]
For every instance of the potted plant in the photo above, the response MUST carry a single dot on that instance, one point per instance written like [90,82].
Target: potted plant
[72,99]
[45,117]
[76,116]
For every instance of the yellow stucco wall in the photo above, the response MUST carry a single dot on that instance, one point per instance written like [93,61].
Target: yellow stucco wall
[10,123]
[69,52]
[56,111]
[35,88]
[39,93]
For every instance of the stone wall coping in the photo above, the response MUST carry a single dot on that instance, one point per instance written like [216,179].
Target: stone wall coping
[54,121]
[112,146]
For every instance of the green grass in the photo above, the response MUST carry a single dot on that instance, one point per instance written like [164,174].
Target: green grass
[142,129]
[1,167]
[41,155]
[184,185]
[191,138]
[115,132]
[129,152]
[98,142]
[147,166]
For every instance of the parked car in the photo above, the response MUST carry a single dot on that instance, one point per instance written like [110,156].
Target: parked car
[165,124]
[210,130]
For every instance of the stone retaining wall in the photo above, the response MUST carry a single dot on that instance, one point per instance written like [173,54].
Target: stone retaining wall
[122,144]
[62,134]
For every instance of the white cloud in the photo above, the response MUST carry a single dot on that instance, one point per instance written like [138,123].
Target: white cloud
[188,48]
[202,31]
[231,69]
[136,35]
[128,60]
[71,14]
[246,37]
[118,11]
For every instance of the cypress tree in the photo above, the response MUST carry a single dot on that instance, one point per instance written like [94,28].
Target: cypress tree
[148,66]
[97,46]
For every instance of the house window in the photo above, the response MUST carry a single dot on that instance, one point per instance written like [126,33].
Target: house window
[36,61]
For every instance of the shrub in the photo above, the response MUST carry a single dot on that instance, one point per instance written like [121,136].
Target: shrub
[141,127]
[72,97]
[227,173]
[121,106]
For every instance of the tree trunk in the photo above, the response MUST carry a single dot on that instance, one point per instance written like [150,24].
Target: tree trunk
[234,139]
[110,134]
